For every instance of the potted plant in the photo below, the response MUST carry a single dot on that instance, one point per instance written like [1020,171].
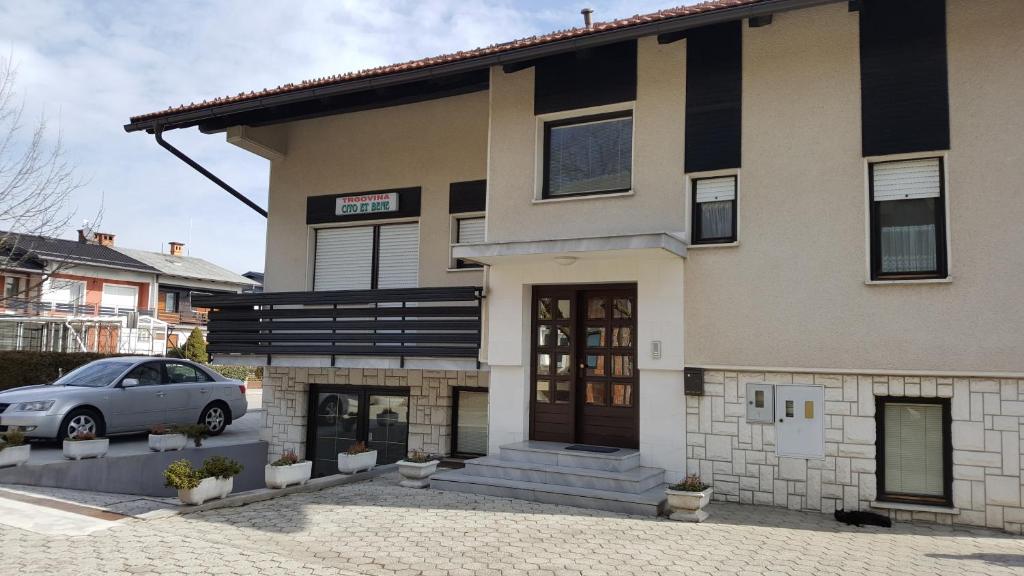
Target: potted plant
[416,469]
[357,458]
[85,445]
[13,449]
[195,432]
[215,479]
[287,470]
[162,439]
[687,499]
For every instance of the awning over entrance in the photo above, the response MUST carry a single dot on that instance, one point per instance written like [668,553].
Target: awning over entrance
[618,246]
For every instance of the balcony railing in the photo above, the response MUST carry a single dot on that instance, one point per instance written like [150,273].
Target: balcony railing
[404,322]
[36,308]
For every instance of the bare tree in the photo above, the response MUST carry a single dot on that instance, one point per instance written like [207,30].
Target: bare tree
[36,186]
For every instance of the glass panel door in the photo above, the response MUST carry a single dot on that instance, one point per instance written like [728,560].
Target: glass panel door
[336,425]
[388,427]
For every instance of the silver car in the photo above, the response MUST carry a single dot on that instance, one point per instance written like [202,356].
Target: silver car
[124,395]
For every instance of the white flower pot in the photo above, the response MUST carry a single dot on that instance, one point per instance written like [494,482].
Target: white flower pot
[284,476]
[352,463]
[416,474]
[15,455]
[208,489]
[688,506]
[167,442]
[78,449]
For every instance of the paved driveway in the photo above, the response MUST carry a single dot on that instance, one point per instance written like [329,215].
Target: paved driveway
[377,528]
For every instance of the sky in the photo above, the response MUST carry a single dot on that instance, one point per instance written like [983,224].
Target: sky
[86,66]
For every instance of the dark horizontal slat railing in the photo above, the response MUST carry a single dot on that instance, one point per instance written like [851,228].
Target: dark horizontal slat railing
[347,323]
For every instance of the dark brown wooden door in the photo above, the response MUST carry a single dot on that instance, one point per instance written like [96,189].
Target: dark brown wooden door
[584,383]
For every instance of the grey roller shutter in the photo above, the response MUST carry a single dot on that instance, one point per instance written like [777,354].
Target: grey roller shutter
[907,179]
[344,259]
[399,256]
[471,231]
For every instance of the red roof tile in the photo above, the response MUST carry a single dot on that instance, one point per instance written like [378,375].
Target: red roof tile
[597,27]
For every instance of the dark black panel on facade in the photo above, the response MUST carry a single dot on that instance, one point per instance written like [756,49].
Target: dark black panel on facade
[467,196]
[587,77]
[714,84]
[322,209]
[904,78]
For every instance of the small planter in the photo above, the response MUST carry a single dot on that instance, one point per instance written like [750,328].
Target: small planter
[416,474]
[79,449]
[167,442]
[15,455]
[688,506]
[352,463]
[208,489]
[284,476]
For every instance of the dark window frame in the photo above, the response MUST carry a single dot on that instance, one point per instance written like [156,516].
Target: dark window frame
[695,236]
[587,119]
[455,418]
[461,264]
[946,500]
[941,257]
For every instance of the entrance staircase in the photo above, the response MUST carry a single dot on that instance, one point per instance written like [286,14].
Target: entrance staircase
[547,472]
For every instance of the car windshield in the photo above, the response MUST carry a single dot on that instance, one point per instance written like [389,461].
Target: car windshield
[94,375]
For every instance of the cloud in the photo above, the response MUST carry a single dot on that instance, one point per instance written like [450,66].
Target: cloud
[90,65]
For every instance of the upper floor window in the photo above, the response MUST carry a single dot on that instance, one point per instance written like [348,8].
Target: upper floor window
[467,230]
[12,287]
[588,155]
[170,301]
[367,257]
[908,219]
[714,210]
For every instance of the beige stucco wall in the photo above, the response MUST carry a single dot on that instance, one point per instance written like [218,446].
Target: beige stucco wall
[793,294]
[656,204]
[428,144]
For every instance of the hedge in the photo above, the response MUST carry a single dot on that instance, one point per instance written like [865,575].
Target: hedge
[23,368]
[238,372]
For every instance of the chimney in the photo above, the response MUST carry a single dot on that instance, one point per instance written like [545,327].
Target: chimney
[586,17]
[83,236]
[103,238]
[176,248]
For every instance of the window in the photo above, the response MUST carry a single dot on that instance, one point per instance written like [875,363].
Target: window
[914,453]
[467,231]
[588,155]
[183,373]
[147,374]
[714,210]
[367,257]
[12,287]
[170,302]
[908,219]
[119,296]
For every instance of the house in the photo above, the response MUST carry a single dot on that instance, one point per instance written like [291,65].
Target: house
[67,295]
[257,281]
[771,242]
[181,276]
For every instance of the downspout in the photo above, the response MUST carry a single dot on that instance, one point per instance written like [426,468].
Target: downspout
[158,132]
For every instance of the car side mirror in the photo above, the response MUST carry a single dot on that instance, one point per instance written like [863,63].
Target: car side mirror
[129,383]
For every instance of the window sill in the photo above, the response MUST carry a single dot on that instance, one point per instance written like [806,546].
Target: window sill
[582,197]
[478,269]
[721,245]
[946,280]
[933,508]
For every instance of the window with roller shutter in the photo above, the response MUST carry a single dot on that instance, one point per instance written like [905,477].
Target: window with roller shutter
[367,257]
[468,230]
[714,210]
[908,219]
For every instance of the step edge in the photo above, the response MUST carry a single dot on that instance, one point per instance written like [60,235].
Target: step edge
[632,498]
[647,471]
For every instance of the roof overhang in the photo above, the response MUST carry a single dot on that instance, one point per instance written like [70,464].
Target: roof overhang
[218,116]
[661,243]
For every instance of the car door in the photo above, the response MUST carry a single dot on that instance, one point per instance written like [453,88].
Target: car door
[184,392]
[138,407]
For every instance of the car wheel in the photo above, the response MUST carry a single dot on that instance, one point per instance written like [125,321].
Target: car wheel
[215,418]
[81,421]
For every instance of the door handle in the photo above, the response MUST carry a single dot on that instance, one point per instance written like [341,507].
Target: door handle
[203,390]
[161,394]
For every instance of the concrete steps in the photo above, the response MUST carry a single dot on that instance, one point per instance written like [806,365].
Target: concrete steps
[547,472]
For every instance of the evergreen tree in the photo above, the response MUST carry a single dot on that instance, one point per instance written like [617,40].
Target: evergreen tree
[195,347]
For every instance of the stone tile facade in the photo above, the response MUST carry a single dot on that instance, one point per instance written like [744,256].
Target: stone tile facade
[286,402]
[739,458]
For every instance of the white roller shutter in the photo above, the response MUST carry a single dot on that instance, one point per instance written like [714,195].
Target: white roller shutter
[344,258]
[907,180]
[399,256]
[716,189]
[471,231]
[118,296]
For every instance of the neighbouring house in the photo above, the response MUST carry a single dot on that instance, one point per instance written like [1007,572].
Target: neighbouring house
[257,281]
[66,295]
[766,241]
[181,276]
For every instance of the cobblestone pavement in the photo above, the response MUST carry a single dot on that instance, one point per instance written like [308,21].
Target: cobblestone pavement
[376,528]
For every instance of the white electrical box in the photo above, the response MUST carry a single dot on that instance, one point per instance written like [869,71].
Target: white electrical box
[760,403]
[800,421]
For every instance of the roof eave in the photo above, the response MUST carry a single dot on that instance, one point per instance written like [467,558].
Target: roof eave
[189,118]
